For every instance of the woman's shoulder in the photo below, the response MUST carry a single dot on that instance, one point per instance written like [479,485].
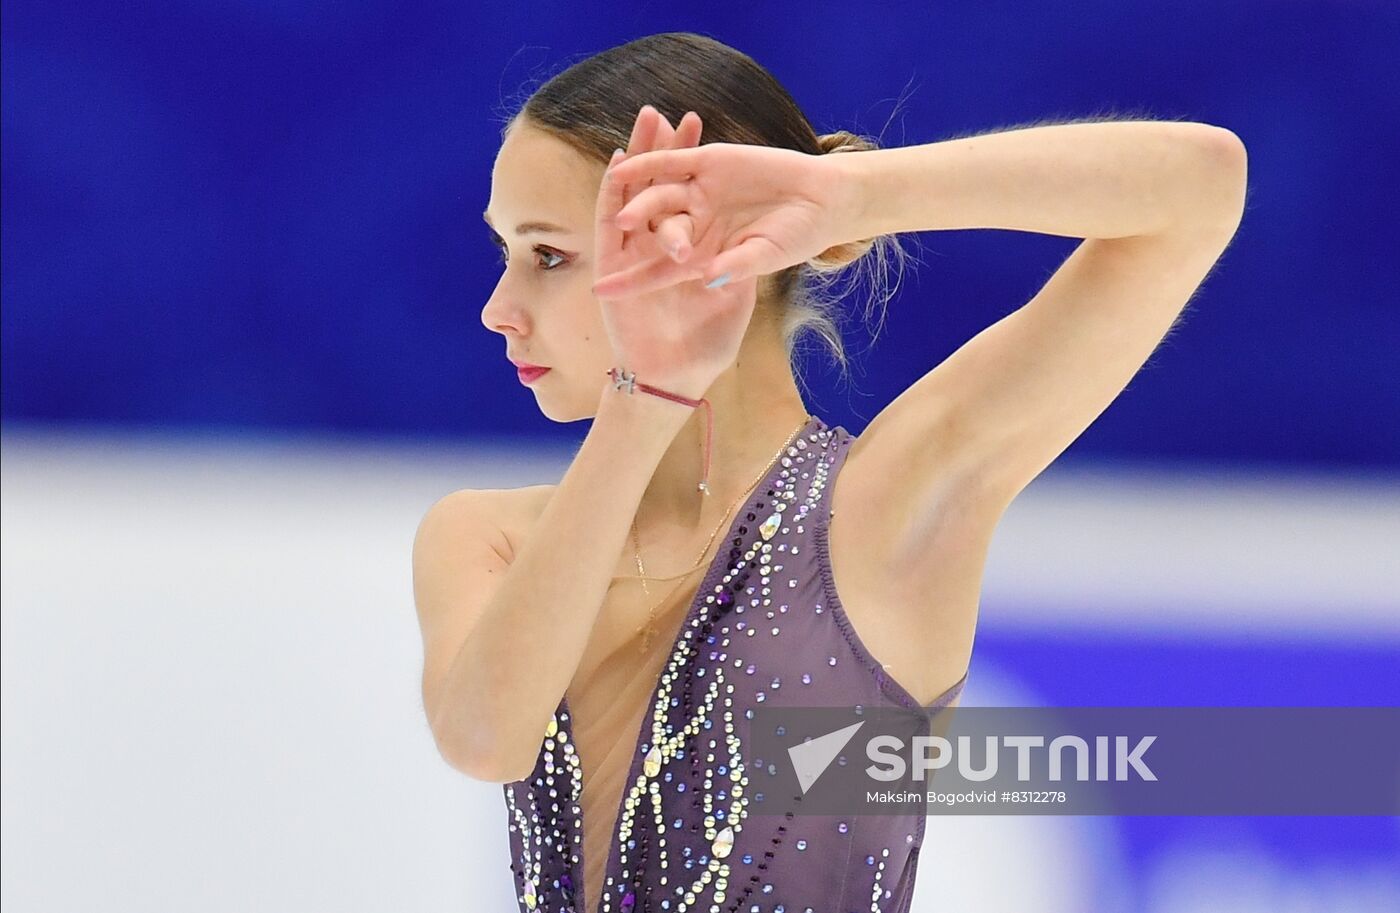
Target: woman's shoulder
[508,513]
[515,510]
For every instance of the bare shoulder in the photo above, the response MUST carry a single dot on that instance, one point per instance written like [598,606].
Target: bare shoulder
[502,514]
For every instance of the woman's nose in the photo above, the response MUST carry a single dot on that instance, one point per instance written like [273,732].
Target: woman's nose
[498,314]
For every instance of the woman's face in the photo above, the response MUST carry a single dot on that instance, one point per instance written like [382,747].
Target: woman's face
[543,196]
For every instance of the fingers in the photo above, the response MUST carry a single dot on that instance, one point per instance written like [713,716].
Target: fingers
[652,202]
[661,164]
[752,257]
[651,132]
[688,131]
[643,131]
[677,232]
[676,235]
[610,201]
[668,206]
[645,277]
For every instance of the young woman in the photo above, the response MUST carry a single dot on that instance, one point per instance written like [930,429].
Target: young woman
[596,645]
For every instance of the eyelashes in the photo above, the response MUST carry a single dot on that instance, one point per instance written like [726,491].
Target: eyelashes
[537,249]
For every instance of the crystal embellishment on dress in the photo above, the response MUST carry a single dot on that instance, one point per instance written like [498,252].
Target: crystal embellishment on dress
[724,842]
[668,745]
[685,838]
[652,765]
[770,526]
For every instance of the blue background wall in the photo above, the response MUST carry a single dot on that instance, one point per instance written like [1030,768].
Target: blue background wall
[265,216]
[246,219]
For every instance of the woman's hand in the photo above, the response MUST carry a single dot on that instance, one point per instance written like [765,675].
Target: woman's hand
[679,335]
[751,210]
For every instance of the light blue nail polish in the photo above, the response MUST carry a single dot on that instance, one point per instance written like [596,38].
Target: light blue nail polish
[718,282]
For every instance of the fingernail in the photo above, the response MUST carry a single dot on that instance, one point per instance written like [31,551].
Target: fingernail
[617,153]
[718,282]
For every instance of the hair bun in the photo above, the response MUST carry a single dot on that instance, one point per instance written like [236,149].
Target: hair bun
[844,141]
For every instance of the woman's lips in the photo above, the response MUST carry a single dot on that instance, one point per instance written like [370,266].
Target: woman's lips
[528,375]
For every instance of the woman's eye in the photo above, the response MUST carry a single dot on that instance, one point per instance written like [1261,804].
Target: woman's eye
[542,251]
[549,253]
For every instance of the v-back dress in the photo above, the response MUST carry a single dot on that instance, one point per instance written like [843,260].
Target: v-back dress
[765,625]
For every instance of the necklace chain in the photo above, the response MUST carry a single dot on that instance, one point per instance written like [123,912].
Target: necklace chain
[641,574]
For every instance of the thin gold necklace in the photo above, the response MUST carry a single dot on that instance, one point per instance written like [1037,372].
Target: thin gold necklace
[641,574]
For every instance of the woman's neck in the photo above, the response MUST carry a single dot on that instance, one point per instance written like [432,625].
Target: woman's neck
[756,410]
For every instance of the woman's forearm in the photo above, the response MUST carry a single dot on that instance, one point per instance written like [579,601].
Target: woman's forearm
[1082,180]
[515,666]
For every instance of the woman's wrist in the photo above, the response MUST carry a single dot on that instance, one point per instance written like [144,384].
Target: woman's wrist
[639,406]
[847,178]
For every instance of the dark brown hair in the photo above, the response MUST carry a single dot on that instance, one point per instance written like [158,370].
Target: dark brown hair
[593,104]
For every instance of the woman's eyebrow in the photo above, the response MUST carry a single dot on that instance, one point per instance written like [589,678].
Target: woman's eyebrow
[525,228]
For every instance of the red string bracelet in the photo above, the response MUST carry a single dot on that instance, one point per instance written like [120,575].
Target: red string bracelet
[624,381]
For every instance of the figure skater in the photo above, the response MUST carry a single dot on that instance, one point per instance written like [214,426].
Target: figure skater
[667,219]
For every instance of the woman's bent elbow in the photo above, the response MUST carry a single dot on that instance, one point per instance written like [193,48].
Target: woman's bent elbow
[482,761]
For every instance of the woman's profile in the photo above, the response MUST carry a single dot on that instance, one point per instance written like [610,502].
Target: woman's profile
[595,645]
